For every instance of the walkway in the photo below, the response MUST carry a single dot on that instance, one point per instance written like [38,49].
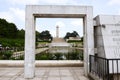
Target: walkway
[44,73]
[20,53]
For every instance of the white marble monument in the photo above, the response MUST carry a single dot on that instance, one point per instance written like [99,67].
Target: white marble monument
[107,38]
[57,32]
[107,32]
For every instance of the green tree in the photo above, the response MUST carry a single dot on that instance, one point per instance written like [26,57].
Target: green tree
[7,30]
[21,34]
[45,35]
[81,39]
[73,34]
[9,34]
[37,35]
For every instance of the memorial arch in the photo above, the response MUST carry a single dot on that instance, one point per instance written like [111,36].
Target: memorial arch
[56,11]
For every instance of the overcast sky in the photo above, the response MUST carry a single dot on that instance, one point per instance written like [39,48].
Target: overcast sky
[14,11]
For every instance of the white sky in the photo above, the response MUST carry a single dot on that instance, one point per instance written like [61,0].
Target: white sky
[14,11]
[65,25]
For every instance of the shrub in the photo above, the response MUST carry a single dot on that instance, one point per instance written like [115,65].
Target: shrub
[41,57]
[70,41]
[58,56]
[18,58]
[5,55]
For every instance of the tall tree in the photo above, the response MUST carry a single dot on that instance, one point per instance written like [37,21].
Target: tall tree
[73,34]
[45,35]
[21,34]
[7,30]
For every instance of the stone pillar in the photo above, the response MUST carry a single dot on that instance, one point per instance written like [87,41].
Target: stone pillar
[29,65]
[57,32]
[88,38]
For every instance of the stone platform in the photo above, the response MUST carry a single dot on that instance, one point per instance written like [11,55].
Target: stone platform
[44,73]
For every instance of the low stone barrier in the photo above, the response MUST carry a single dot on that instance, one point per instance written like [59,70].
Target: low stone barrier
[43,63]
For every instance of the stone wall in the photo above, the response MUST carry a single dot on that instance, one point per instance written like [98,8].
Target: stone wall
[107,36]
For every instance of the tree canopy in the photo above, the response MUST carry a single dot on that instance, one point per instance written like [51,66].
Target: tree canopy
[73,34]
[10,36]
[21,34]
[7,29]
[45,35]
[10,30]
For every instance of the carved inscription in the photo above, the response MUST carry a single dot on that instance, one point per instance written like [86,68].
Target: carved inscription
[117,52]
[115,32]
[116,40]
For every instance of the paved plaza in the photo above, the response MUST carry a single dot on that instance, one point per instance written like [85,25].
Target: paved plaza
[44,73]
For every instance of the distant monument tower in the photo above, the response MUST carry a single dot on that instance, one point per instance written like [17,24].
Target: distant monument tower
[57,31]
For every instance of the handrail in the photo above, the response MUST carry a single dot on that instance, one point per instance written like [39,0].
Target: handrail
[104,68]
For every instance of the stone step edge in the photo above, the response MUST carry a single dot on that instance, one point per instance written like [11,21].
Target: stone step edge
[43,63]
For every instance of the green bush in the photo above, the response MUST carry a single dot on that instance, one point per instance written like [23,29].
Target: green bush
[69,41]
[5,55]
[76,55]
[41,57]
[49,56]
[12,42]
[73,56]
[81,56]
[45,41]
[58,56]
[44,57]
[19,58]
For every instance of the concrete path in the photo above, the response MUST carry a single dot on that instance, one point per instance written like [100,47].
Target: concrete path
[20,53]
[40,50]
[44,73]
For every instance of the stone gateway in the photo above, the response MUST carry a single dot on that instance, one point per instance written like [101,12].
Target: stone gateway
[56,11]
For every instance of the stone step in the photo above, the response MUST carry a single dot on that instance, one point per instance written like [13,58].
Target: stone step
[58,40]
